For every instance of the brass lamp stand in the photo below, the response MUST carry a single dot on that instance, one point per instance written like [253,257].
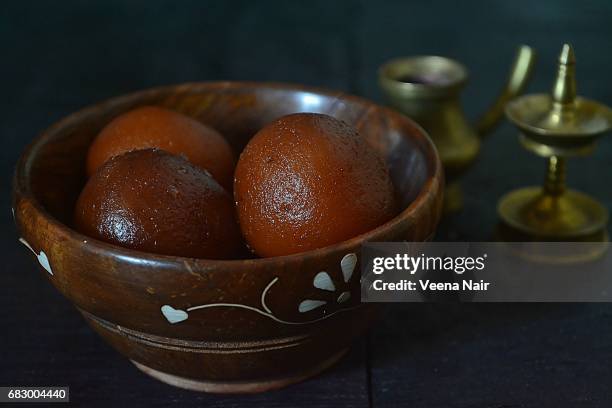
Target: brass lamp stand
[556,127]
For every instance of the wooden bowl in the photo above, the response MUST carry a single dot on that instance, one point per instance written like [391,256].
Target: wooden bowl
[219,326]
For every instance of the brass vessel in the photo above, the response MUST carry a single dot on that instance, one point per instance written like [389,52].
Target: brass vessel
[427,89]
[556,126]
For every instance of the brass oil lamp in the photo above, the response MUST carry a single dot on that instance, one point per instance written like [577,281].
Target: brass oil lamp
[427,89]
[556,127]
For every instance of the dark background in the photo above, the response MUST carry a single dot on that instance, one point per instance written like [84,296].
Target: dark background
[58,56]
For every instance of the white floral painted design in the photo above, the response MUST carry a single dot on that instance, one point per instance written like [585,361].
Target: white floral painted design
[322,281]
[41,256]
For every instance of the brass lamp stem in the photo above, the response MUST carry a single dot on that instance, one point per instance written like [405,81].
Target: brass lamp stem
[555,176]
[563,95]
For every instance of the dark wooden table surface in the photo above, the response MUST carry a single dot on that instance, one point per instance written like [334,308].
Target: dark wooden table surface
[59,56]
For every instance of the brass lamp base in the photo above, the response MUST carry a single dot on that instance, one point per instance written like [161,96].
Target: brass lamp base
[531,214]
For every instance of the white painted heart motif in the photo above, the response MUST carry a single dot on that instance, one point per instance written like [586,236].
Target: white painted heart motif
[42,257]
[174,315]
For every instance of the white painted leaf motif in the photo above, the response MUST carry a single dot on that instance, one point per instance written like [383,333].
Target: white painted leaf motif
[41,256]
[309,304]
[344,296]
[44,261]
[323,281]
[347,264]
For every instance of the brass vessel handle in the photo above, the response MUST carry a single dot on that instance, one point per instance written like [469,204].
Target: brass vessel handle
[519,76]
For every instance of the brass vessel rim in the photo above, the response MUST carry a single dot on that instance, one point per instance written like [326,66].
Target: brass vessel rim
[526,111]
[431,75]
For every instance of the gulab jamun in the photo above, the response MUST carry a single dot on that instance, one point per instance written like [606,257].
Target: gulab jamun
[154,201]
[156,127]
[309,180]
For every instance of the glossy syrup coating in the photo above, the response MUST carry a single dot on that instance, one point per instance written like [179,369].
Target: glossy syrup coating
[155,127]
[157,202]
[309,180]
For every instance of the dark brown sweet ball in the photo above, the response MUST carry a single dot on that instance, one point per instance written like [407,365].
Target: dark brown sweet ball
[155,127]
[157,202]
[309,180]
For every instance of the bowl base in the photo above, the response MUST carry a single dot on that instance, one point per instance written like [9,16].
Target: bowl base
[238,387]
